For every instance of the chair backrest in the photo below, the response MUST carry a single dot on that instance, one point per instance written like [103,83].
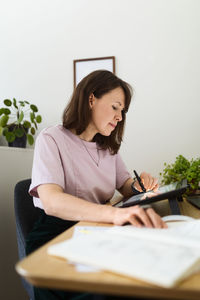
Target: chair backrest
[25,215]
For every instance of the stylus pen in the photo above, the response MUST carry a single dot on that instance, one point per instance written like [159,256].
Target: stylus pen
[139,181]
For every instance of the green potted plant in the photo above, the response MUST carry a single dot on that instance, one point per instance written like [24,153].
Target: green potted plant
[18,122]
[183,168]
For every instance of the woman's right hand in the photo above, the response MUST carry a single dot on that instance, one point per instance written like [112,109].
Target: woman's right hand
[139,217]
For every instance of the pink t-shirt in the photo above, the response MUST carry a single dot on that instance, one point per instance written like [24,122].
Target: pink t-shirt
[62,158]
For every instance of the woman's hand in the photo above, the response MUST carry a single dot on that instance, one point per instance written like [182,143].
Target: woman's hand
[149,182]
[138,217]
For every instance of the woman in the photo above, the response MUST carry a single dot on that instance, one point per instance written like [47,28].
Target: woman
[77,166]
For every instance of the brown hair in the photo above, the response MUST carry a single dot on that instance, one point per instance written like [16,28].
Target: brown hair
[77,114]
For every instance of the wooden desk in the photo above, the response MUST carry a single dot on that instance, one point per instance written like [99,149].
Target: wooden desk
[44,270]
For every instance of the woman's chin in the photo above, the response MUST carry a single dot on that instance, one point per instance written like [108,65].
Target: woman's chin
[105,132]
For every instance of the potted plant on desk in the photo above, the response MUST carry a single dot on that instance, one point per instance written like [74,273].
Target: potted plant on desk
[181,169]
[18,122]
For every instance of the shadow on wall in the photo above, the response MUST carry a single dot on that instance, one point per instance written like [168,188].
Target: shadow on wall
[16,164]
[12,287]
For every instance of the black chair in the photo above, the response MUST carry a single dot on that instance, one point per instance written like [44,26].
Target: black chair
[25,215]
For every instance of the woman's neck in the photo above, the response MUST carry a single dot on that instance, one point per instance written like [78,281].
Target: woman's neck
[87,135]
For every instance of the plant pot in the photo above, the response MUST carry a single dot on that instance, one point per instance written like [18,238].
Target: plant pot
[19,142]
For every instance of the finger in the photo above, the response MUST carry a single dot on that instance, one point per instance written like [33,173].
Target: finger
[155,219]
[154,182]
[156,187]
[134,221]
[151,183]
[137,186]
[143,217]
[146,180]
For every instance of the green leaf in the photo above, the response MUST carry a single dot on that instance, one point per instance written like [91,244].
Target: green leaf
[20,109]
[1,130]
[15,103]
[34,108]
[33,130]
[30,139]
[7,111]
[36,127]
[21,116]
[10,136]
[181,169]
[4,120]
[27,124]
[32,117]
[38,119]
[19,132]
[7,102]
[22,103]
[5,130]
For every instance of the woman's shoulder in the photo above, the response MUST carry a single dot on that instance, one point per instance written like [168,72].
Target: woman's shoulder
[58,134]
[53,131]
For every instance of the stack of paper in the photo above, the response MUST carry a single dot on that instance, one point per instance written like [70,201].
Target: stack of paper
[159,256]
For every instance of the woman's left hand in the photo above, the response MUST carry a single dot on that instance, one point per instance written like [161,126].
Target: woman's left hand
[149,182]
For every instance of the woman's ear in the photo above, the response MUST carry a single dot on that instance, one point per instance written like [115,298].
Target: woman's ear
[91,100]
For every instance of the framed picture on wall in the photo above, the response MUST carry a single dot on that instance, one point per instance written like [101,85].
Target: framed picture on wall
[82,67]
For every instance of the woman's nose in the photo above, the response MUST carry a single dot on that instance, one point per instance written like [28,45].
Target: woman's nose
[119,116]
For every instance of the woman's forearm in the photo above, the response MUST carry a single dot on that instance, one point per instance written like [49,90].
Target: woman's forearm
[126,190]
[68,207]
[64,206]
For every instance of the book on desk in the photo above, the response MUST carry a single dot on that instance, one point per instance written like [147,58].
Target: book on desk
[162,257]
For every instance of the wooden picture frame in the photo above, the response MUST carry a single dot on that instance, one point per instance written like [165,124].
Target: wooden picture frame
[82,67]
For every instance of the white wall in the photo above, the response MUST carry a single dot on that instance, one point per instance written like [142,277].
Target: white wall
[15,165]
[156,44]
[157,48]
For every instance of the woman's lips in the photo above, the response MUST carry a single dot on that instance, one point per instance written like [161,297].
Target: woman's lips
[113,125]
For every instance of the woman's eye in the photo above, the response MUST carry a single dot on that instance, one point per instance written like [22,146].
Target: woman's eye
[114,107]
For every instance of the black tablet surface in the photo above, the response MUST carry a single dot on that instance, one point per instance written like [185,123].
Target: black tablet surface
[194,200]
[164,192]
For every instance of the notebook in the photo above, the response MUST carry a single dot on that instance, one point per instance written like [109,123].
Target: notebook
[162,257]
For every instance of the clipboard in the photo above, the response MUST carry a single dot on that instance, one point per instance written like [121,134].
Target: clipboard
[173,191]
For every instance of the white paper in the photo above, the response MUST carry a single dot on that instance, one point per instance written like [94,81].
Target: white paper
[187,234]
[175,218]
[155,262]
[159,256]
[82,230]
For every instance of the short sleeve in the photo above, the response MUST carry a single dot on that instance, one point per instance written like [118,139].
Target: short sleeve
[47,164]
[122,173]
